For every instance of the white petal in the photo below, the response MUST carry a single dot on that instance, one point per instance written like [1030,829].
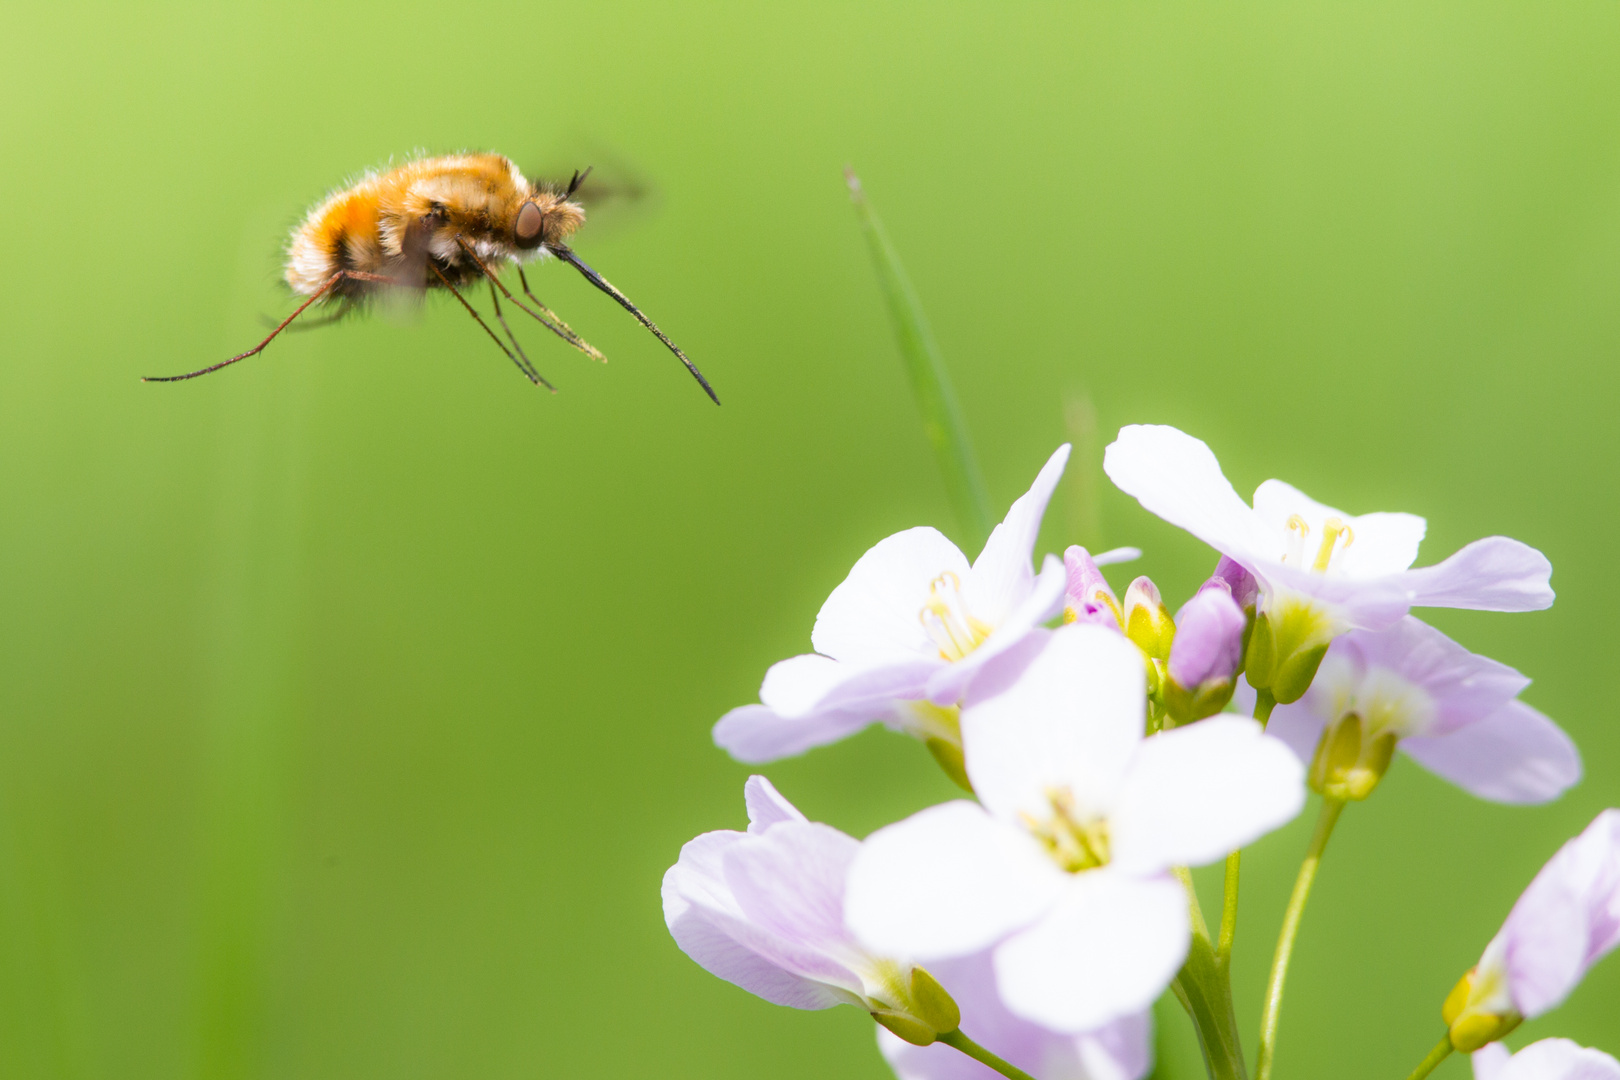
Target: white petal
[1514,755]
[1176,477]
[756,734]
[949,682]
[1381,544]
[1489,1061]
[1552,1059]
[872,616]
[946,882]
[1003,571]
[1114,556]
[766,806]
[1493,574]
[1072,719]
[1196,793]
[1107,949]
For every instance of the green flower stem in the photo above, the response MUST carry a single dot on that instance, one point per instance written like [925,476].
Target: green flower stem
[1290,929]
[1229,907]
[1263,704]
[1441,1051]
[942,416]
[982,1056]
[1205,991]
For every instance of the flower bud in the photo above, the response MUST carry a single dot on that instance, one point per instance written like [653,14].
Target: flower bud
[928,1013]
[1244,588]
[1087,598]
[1286,647]
[1147,621]
[1348,764]
[1205,654]
[1473,1015]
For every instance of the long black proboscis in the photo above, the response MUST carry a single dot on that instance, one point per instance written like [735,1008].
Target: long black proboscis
[567,255]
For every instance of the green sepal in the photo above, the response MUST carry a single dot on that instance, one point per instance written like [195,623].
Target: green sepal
[949,756]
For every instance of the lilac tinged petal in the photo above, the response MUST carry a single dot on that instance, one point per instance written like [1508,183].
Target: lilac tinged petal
[766,806]
[813,683]
[1209,637]
[1464,686]
[1239,582]
[1106,950]
[1121,1050]
[1493,574]
[1072,719]
[1514,755]
[872,615]
[701,913]
[947,881]
[754,734]
[1177,477]
[720,955]
[1298,726]
[1549,1059]
[1567,919]
[1197,793]
[789,881]
[1383,544]
[948,682]
[1003,571]
[1368,604]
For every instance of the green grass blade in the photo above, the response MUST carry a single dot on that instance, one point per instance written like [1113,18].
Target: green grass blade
[941,415]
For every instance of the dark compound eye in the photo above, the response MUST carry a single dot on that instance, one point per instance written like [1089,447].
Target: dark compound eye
[528,225]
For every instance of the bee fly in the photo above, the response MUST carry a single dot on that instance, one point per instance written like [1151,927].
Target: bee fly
[442,223]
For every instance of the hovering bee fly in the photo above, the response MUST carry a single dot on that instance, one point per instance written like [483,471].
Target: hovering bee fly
[442,223]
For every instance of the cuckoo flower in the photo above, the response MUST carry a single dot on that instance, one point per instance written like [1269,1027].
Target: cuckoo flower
[1320,571]
[903,636]
[1120,1051]
[1065,867]
[1563,923]
[764,909]
[1549,1059]
[1455,713]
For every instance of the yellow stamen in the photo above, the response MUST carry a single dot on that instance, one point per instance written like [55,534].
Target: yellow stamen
[949,624]
[1332,529]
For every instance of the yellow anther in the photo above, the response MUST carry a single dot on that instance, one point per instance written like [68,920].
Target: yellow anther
[1332,529]
[1299,525]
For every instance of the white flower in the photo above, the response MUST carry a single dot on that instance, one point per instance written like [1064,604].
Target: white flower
[1455,713]
[1549,1059]
[902,637]
[1321,571]
[1563,923]
[1121,1050]
[1064,869]
[764,910]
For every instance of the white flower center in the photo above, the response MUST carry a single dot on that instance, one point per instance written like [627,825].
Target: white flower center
[1299,530]
[949,624]
[1074,840]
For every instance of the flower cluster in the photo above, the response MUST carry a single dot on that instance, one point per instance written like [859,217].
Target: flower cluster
[1027,931]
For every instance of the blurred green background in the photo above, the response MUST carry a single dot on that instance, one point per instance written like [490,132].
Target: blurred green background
[353,701]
